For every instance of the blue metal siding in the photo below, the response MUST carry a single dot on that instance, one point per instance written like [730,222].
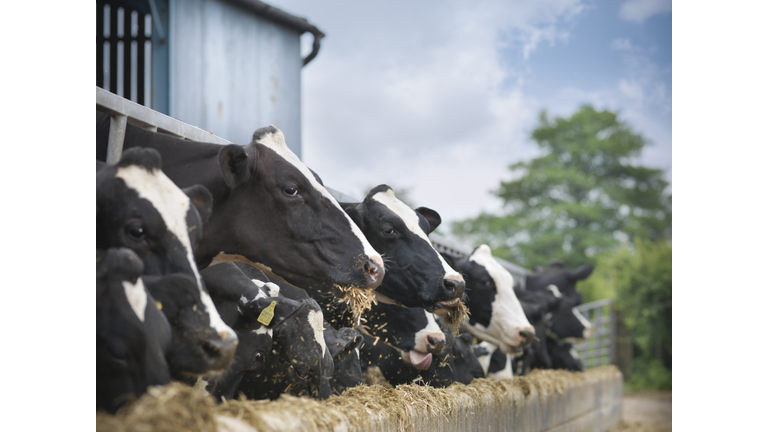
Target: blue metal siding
[232,72]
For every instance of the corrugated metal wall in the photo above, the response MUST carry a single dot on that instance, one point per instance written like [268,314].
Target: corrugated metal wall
[233,72]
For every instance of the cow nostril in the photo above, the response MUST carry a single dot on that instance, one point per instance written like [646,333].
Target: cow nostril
[434,345]
[453,286]
[374,272]
[526,337]
[212,349]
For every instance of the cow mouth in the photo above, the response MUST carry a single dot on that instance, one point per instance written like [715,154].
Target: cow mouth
[450,303]
[420,360]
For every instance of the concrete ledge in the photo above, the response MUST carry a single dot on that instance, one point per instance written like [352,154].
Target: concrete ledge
[544,401]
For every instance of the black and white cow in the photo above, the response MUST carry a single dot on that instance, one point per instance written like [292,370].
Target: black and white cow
[558,274]
[132,336]
[566,322]
[495,314]
[564,356]
[288,354]
[269,209]
[417,275]
[344,345]
[140,208]
[494,362]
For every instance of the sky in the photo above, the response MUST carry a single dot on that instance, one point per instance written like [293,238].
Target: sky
[440,97]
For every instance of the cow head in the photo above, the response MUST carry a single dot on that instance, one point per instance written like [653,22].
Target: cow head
[558,274]
[278,216]
[566,322]
[412,331]
[417,276]
[197,347]
[300,362]
[129,355]
[344,345]
[495,314]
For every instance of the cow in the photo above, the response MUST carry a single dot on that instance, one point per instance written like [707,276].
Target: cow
[495,314]
[495,363]
[417,275]
[564,356]
[344,345]
[558,274]
[292,362]
[132,336]
[566,322]
[140,208]
[269,209]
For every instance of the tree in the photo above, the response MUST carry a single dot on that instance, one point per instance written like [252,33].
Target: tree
[583,196]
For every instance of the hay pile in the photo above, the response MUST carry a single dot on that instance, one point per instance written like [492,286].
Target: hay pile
[179,407]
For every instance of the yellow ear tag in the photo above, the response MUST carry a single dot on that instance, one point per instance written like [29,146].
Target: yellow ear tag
[267,314]
[159,305]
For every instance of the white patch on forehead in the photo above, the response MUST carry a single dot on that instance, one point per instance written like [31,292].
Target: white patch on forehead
[276,142]
[507,316]
[263,330]
[316,321]
[137,297]
[411,220]
[554,290]
[172,204]
[272,288]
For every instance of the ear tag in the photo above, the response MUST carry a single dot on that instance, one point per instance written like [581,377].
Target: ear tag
[159,305]
[267,314]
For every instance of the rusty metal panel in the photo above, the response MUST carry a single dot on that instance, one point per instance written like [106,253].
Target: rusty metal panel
[232,72]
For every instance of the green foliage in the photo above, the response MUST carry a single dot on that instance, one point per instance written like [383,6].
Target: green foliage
[581,197]
[640,280]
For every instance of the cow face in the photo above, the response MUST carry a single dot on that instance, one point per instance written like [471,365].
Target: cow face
[466,365]
[344,346]
[417,276]
[566,322]
[131,335]
[279,217]
[556,273]
[197,348]
[495,314]
[299,363]
[139,208]
[412,331]
[564,356]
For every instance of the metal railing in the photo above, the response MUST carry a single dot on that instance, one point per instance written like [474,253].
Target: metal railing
[599,349]
[595,351]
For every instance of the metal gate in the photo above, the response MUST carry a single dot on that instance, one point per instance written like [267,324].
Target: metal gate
[598,350]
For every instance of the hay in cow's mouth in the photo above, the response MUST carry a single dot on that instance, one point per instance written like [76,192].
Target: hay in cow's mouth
[457,316]
[358,300]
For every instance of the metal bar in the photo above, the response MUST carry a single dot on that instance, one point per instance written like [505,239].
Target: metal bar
[112,49]
[116,136]
[113,105]
[140,78]
[127,53]
[99,45]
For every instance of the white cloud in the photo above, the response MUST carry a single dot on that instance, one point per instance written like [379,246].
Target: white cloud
[640,10]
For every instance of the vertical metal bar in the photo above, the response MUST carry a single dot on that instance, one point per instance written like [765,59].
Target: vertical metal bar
[100,45]
[140,60]
[116,137]
[113,50]
[614,357]
[127,54]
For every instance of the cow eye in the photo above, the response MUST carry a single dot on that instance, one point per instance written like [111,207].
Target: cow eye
[291,191]
[259,357]
[389,232]
[304,376]
[136,233]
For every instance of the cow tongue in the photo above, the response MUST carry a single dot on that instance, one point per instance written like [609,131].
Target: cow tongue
[420,360]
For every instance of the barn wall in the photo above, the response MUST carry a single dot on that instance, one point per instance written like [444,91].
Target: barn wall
[233,72]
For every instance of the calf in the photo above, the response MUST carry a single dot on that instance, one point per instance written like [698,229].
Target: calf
[132,336]
[269,209]
[495,314]
[139,208]
[417,276]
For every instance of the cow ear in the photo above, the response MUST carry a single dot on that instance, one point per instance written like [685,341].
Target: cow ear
[202,200]
[356,212]
[432,217]
[233,160]
[582,272]
[351,339]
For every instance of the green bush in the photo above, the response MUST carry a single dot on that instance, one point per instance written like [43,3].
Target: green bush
[639,279]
